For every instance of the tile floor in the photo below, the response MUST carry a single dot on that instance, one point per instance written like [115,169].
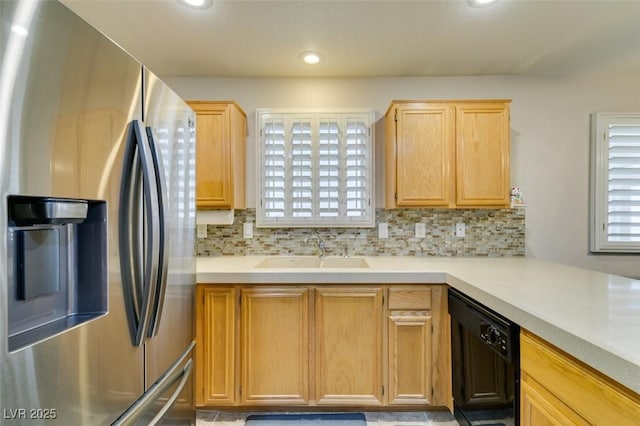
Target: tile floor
[436,418]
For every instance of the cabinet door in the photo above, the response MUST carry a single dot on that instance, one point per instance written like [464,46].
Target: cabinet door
[213,159]
[275,346]
[215,350]
[424,153]
[410,364]
[348,346]
[482,154]
[220,155]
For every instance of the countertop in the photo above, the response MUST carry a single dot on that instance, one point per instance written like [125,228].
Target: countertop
[591,315]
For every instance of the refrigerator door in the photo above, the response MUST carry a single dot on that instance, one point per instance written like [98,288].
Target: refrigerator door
[170,124]
[67,94]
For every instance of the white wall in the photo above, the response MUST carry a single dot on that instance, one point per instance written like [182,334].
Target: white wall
[549,138]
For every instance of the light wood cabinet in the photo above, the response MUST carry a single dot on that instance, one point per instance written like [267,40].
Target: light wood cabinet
[447,154]
[322,345]
[215,346]
[409,346]
[420,155]
[418,369]
[275,346]
[540,407]
[221,128]
[482,154]
[557,389]
[348,346]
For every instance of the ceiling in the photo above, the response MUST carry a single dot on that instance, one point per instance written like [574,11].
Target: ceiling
[264,38]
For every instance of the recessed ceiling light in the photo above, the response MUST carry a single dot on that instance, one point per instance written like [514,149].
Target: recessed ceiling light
[481,3]
[197,4]
[311,57]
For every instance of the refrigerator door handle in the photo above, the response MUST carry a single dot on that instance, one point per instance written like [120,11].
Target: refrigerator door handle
[163,255]
[138,288]
[157,390]
[186,374]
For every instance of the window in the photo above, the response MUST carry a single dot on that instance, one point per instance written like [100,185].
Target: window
[316,169]
[615,183]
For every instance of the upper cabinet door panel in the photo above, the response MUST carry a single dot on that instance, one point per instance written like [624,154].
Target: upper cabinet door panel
[425,152]
[213,160]
[482,154]
[220,155]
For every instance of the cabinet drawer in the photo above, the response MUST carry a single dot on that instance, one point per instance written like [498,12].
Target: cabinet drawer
[409,299]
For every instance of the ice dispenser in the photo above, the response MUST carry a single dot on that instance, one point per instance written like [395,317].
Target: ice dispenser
[57,249]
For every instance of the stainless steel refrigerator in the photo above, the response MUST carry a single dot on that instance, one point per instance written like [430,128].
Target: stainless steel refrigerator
[97,229]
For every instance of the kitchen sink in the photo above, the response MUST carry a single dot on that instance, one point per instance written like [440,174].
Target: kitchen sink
[285,262]
[344,262]
[290,262]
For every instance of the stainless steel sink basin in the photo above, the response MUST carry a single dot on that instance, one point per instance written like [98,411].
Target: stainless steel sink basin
[285,262]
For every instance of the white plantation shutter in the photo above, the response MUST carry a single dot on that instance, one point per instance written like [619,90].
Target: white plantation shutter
[357,173]
[273,166]
[329,168]
[616,183]
[316,169]
[301,170]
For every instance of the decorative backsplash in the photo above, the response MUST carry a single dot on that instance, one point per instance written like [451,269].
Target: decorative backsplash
[489,233]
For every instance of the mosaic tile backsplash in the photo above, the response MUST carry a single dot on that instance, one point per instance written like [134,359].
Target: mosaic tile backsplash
[489,233]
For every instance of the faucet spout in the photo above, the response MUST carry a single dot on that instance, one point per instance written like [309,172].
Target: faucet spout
[319,243]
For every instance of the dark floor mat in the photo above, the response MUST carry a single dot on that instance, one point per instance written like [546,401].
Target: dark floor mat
[328,419]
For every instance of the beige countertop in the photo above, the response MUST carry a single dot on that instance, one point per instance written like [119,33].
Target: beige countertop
[590,315]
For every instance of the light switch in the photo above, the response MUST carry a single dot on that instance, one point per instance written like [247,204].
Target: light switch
[383,230]
[460,230]
[420,230]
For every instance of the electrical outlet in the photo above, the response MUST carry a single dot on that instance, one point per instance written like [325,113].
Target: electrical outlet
[460,230]
[201,231]
[383,230]
[247,230]
[420,230]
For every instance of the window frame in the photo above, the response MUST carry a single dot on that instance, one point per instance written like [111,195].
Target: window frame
[315,114]
[599,183]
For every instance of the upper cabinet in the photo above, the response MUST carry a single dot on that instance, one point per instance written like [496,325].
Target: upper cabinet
[221,128]
[447,154]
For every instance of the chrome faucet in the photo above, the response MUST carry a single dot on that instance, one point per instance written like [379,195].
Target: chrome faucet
[319,242]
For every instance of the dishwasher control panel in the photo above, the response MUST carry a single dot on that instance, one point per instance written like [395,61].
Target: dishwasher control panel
[495,331]
[494,337]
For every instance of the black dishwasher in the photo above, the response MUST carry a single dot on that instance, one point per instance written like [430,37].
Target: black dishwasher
[485,364]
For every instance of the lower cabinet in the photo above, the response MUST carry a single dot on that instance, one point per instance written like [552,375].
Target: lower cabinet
[557,389]
[215,346]
[322,345]
[418,361]
[348,347]
[274,348]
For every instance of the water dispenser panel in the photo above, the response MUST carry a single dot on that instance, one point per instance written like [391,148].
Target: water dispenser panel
[57,266]
[38,257]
